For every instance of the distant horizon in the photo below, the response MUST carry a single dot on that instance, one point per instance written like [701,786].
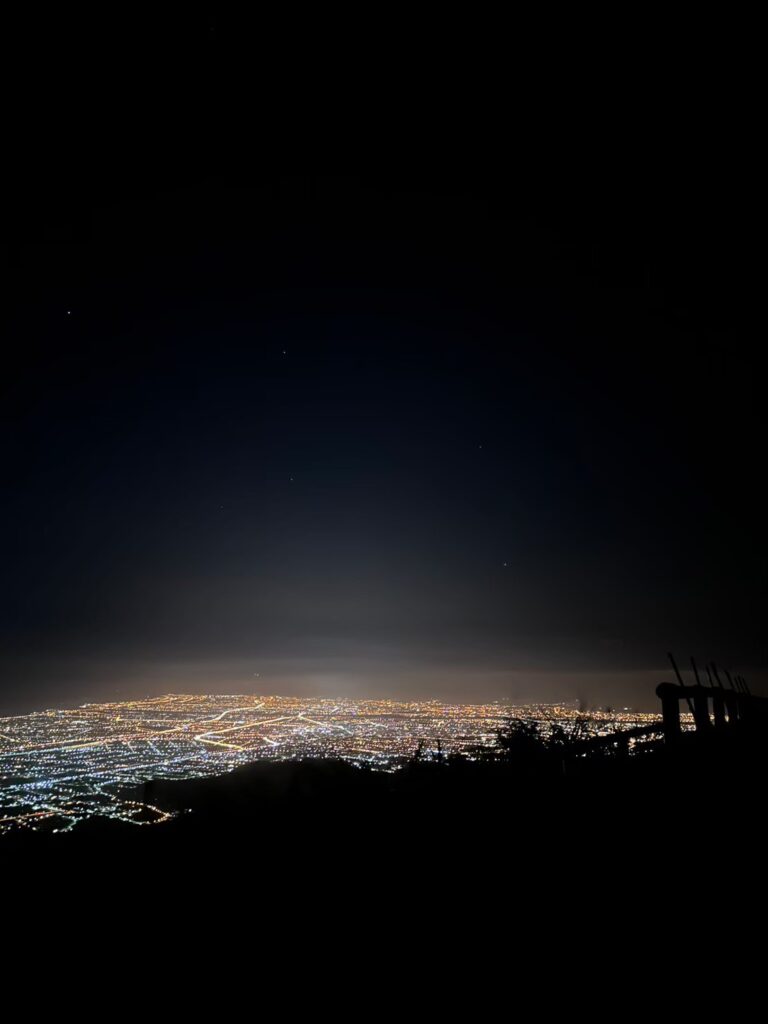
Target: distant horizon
[591,690]
[215,694]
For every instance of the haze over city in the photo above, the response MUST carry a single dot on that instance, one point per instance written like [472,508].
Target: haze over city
[374,437]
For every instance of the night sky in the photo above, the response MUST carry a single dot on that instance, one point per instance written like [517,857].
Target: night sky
[471,437]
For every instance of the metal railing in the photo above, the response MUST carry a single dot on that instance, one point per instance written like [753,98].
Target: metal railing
[714,708]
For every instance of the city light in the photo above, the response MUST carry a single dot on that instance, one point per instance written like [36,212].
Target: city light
[59,767]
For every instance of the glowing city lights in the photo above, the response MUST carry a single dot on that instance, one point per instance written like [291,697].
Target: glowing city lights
[58,768]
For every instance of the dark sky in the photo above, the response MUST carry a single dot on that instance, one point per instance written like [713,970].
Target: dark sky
[472,436]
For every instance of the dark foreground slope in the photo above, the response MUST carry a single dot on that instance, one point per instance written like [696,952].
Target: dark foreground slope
[605,818]
[514,871]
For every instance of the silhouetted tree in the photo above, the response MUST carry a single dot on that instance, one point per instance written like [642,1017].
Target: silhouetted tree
[521,741]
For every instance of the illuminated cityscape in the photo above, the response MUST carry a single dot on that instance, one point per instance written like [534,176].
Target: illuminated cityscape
[60,767]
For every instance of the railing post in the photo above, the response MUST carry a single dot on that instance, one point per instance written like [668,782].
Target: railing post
[701,711]
[731,699]
[669,695]
[718,707]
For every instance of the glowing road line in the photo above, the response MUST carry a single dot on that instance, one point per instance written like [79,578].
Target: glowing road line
[231,711]
[215,743]
[247,725]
